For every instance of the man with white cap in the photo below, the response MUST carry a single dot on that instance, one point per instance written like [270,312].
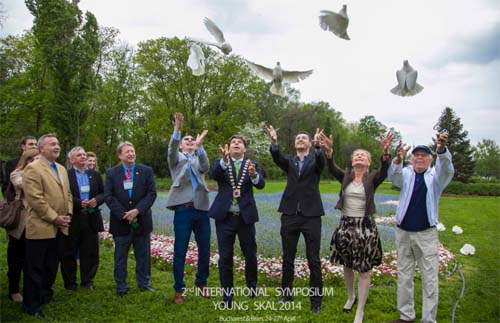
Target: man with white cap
[417,238]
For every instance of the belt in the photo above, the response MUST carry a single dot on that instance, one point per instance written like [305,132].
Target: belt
[234,213]
[188,204]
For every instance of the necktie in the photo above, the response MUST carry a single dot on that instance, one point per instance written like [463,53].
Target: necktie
[237,164]
[128,175]
[54,168]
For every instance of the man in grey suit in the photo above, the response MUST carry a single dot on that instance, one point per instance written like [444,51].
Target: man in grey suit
[188,197]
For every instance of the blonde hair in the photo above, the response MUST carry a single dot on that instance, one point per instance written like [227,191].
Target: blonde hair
[92,154]
[27,158]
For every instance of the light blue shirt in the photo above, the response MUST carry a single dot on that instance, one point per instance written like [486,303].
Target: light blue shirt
[82,178]
[436,179]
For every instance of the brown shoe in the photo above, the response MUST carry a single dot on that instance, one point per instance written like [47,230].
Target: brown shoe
[204,291]
[402,321]
[178,298]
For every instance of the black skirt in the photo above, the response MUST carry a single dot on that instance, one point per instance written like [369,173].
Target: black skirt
[356,243]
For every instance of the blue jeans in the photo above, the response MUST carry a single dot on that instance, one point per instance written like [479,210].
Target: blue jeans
[187,220]
[142,253]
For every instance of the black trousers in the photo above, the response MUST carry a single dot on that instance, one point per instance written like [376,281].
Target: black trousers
[81,235]
[291,228]
[226,230]
[16,250]
[40,271]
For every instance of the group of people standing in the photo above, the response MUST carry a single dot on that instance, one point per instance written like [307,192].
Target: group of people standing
[58,200]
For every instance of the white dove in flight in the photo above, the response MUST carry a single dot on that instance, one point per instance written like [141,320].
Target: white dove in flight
[407,81]
[278,76]
[196,60]
[221,43]
[335,22]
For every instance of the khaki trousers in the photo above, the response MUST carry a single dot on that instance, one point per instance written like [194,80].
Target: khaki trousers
[420,248]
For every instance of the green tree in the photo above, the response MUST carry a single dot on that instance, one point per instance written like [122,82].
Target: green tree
[69,45]
[458,144]
[24,92]
[487,158]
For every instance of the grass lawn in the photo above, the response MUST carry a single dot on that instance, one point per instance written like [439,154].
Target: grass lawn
[478,216]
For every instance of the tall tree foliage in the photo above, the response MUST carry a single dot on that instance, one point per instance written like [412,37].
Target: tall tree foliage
[458,144]
[487,158]
[69,45]
[24,91]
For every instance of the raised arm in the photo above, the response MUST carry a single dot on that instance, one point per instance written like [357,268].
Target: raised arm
[327,143]
[395,174]
[173,146]
[444,165]
[278,159]
[202,155]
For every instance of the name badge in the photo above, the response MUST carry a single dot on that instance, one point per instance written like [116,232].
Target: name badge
[127,185]
[85,189]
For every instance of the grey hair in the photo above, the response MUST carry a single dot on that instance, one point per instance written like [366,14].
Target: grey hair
[74,150]
[122,144]
[41,141]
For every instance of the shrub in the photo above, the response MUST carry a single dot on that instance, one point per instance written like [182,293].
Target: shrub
[481,189]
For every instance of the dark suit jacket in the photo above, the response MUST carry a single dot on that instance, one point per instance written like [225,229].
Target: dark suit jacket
[118,201]
[371,181]
[9,168]
[96,191]
[224,198]
[303,190]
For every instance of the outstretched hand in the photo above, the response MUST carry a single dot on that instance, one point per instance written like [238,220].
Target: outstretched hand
[401,152]
[316,141]
[386,141]
[271,133]
[179,121]
[441,141]
[326,142]
[224,152]
[200,137]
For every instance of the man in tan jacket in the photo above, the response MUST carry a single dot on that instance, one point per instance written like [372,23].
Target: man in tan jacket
[50,205]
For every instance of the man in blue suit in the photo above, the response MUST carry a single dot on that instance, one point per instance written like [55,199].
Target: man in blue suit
[235,213]
[188,197]
[130,192]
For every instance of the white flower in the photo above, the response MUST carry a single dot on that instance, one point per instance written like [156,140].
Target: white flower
[468,249]
[457,229]
[440,227]
[391,202]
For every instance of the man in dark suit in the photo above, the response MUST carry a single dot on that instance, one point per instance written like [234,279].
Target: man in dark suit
[28,142]
[235,213]
[130,192]
[301,209]
[88,194]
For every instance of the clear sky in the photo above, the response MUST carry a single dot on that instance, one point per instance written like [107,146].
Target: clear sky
[453,44]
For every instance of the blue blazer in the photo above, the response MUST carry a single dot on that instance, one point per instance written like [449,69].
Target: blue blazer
[224,198]
[118,201]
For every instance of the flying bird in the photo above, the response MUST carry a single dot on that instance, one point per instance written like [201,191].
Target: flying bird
[278,76]
[196,60]
[221,43]
[407,81]
[335,22]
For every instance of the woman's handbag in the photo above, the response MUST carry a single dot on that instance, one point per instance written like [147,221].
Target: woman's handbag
[10,212]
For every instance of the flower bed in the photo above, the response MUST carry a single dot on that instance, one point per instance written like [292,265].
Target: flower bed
[162,248]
